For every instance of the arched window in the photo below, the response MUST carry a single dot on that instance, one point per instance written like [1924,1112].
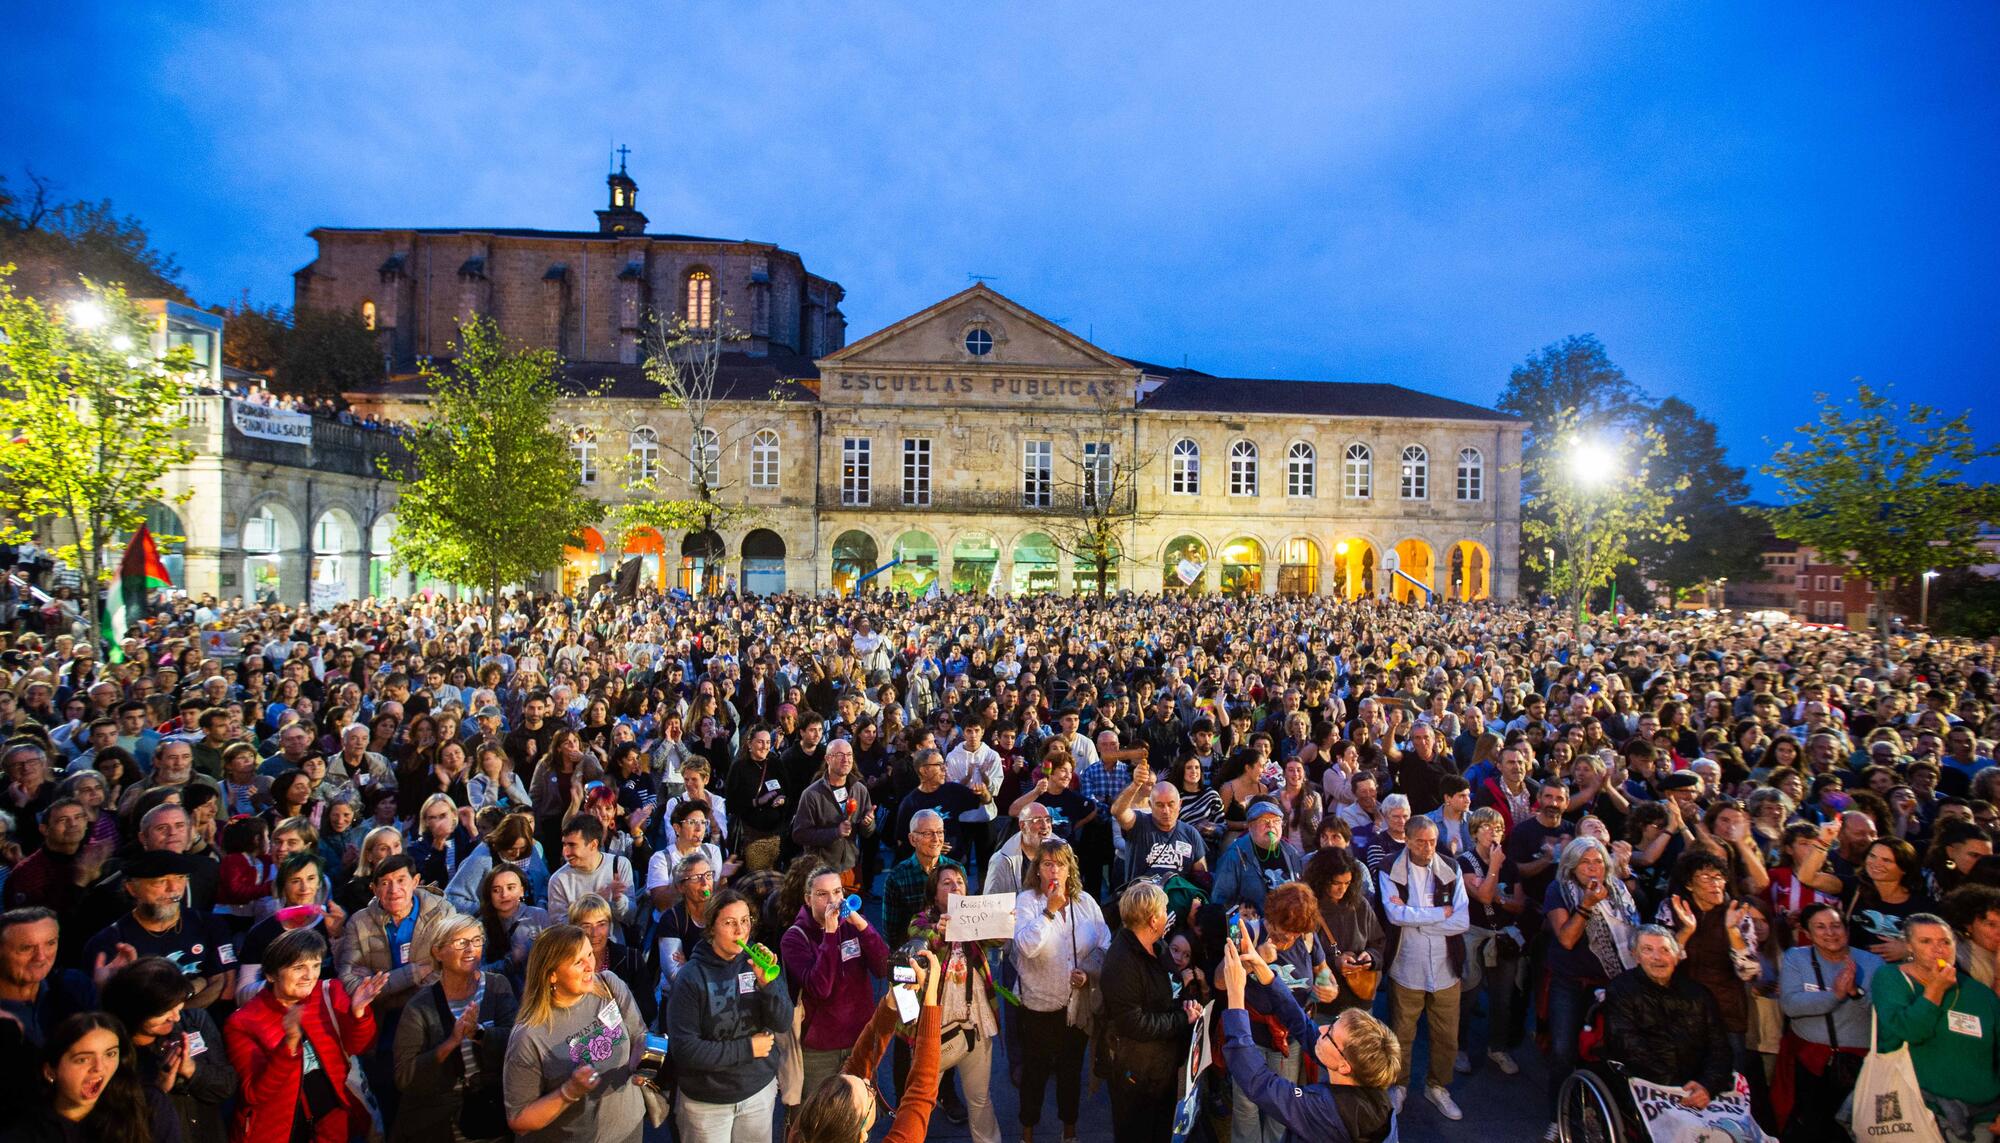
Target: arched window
[1416,473]
[1471,475]
[1301,470]
[1358,472]
[368,314]
[583,446]
[1186,468]
[705,460]
[1243,468]
[700,299]
[764,459]
[645,454]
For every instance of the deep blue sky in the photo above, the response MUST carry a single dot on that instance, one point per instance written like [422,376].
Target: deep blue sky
[1747,203]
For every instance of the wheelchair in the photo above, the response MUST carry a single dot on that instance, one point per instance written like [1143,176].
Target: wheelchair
[1595,1102]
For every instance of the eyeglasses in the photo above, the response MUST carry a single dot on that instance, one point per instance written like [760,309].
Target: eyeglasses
[465,944]
[926,833]
[700,878]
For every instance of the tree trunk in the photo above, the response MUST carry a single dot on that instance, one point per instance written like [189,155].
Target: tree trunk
[493,615]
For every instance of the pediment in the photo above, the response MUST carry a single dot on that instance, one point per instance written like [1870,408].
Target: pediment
[1015,338]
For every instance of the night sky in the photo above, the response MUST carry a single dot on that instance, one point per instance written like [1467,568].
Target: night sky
[1746,203]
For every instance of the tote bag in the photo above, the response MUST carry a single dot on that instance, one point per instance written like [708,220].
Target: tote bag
[1888,1104]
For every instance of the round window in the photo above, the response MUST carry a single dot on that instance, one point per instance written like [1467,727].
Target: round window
[978,342]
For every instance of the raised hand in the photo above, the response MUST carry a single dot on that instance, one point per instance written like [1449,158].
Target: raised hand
[366,992]
[295,1028]
[107,964]
[468,1022]
[1683,913]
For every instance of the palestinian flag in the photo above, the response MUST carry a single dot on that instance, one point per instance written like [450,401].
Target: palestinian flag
[138,573]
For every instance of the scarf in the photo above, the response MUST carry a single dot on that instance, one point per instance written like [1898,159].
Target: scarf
[1608,927]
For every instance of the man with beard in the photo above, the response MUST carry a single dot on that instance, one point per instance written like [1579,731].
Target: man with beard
[156,881]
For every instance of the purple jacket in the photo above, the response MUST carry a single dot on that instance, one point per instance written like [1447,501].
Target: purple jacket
[829,975]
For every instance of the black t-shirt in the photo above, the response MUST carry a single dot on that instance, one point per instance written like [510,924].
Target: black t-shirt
[1491,916]
[1276,872]
[195,944]
[1149,851]
[1526,843]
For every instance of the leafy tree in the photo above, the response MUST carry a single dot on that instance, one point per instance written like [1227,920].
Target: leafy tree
[253,336]
[1592,503]
[328,352]
[1723,540]
[1576,378]
[54,243]
[491,497]
[88,419]
[1883,487]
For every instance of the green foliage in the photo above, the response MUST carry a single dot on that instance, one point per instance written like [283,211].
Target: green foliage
[253,337]
[53,244]
[327,353]
[491,498]
[87,420]
[1723,540]
[1590,520]
[1883,487]
[1963,603]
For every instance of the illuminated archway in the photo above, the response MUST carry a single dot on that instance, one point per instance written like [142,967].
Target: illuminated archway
[583,557]
[1242,567]
[1354,568]
[1471,571]
[1415,560]
[854,555]
[1298,567]
[917,567]
[701,563]
[973,559]
[1184,567]
[1034,564]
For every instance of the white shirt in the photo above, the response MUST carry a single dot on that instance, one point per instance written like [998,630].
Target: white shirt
[1043,950]
[959,766]
[1423,963]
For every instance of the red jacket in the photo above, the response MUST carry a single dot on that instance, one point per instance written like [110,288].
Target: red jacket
[270,1074]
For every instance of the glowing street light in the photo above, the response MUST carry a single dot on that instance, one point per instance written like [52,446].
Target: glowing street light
[88,313]
[1591,464]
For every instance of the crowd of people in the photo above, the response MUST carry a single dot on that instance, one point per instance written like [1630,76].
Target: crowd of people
[630,866]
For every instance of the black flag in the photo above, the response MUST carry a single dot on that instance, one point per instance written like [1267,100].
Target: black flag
[628,577]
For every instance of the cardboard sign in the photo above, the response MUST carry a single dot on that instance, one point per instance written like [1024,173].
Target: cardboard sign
[985,917]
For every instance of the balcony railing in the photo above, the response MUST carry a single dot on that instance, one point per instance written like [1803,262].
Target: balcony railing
[336,447]
[1011,501]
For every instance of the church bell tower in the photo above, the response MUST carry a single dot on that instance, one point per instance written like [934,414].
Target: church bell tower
[622,215]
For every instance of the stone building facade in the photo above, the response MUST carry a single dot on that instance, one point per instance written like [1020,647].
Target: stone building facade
[587,294]
[968,445]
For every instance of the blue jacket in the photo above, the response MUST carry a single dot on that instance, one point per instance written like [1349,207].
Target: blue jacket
[1239,876]
[1308,1111]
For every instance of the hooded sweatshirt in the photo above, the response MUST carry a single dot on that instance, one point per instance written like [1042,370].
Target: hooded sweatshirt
[831,973]
[713,1009]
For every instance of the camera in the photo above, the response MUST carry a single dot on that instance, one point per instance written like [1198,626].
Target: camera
[656,1064]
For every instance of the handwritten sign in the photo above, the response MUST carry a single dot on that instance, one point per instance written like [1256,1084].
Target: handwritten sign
[985,917]
[1726,1119]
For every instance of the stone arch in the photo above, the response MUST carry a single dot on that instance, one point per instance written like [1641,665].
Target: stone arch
[583,557]
[702,556]
[1416,559]
[854,554]
[1299,566]
[975,561]
[1242,565]
[337,552]
[1357,572]
[1036,560]
[1469,571]
[763,562]
[270,539]
[1192,548]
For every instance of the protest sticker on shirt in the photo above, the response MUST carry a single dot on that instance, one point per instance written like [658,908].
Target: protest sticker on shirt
[849,949]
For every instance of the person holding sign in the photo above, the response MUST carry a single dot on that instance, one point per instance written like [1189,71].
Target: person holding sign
[832,957]
[1945,1017]
[1663,1026]
[968,997]
[724,1013]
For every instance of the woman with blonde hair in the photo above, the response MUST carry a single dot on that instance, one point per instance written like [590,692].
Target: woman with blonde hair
[568,1071]
[377,845]
[452,1041]
[1059,943]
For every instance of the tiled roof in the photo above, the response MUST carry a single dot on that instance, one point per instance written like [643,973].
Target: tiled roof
[531,232]
[1186,391]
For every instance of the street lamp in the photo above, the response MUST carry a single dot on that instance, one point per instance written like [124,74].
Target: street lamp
[88,313]
[1924,599]
[1590,463]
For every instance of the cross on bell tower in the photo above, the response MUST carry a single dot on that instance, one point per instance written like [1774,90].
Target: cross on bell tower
[622,215]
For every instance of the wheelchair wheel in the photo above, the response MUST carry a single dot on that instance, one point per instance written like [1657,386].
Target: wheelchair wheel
[1588,1112]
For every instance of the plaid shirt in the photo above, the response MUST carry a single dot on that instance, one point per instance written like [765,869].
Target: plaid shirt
[903,896]
[1102,784]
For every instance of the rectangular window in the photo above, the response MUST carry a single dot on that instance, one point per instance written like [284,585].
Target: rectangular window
[1836,583]
[916,472]
[855,457]
[1096,474]
[1819,583]
[764,459]
[1037,474]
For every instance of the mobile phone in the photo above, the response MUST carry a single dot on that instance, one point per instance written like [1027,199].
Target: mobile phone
[1235,926]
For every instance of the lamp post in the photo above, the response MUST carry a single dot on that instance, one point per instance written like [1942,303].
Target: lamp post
[1924,599]
[1591,467]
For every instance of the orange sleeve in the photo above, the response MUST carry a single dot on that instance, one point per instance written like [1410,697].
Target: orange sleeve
[866,1054]
[919,1097]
